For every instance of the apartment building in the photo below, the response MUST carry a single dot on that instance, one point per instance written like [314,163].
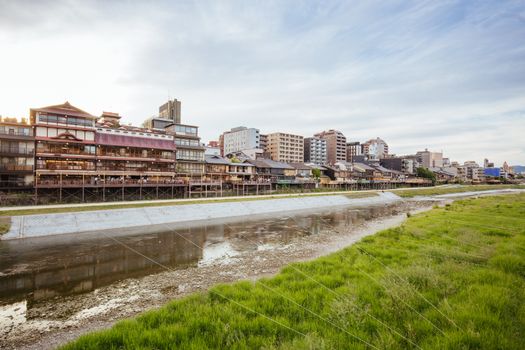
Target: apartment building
[17,152]
[335,145]
[239,139]
[375,149]
[315,150]
[284,147]
[429,159]
[353,149]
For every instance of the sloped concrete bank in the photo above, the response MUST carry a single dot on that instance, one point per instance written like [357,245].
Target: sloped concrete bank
[103,220]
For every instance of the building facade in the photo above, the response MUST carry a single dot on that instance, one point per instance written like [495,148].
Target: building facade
[17,154]
[171,110]
[429,159]
[190,152]
[285,147]
[315,150]
[375,149]
[335,145]
[353,149]
[240,139]
[65,143]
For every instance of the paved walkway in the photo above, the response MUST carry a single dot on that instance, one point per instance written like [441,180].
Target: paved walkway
[164,201]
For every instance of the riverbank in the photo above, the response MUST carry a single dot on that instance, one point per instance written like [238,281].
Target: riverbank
[452,189]
[150,219]
[449,278]
[85,286]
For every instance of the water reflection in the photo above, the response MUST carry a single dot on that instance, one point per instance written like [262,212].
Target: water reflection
[35,270]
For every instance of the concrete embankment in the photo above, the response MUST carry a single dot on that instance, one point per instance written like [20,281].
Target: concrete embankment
[103,220]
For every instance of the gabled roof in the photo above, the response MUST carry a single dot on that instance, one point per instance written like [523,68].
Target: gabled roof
[383,169]
[64,109]
[268,163]
[213,159]
[362,166]
[300,166]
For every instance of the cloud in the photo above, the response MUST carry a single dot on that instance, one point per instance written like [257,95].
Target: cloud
[443,75]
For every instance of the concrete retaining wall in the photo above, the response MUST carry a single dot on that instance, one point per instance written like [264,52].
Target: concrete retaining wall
[92,221]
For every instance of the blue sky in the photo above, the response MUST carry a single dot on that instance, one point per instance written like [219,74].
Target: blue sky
[443,75]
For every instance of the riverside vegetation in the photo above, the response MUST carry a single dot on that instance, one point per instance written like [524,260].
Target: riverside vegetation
[450,278]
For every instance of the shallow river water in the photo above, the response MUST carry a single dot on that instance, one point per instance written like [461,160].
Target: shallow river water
[57,288]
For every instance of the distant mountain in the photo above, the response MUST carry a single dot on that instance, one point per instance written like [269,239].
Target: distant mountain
[518,168]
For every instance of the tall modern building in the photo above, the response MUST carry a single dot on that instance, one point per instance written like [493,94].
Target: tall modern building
[352,149]
[169,114]
[171,110]
[335,145]
[375,149]
[240,139]
[429,159]
[315,150]
[285,147]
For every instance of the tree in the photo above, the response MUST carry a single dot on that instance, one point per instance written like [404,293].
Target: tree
[316,173]
[427,174]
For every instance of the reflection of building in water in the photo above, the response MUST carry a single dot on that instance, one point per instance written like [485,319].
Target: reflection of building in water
[66,269]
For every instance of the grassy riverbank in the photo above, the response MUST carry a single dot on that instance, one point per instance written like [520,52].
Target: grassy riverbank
[452,278]
[433,191]
[5,224]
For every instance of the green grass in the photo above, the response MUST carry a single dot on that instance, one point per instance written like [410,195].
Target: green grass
[5,224]
[451,278]
[37,210]
[432,191]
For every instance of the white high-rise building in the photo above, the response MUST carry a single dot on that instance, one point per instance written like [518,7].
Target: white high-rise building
[240,139]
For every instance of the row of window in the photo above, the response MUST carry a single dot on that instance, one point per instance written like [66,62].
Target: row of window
[59,119]
[16,147]
[52,132]
[186,142]
[188,154]
[15,130]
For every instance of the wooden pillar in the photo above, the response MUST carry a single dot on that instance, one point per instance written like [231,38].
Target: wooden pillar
[60,188]
[83,196]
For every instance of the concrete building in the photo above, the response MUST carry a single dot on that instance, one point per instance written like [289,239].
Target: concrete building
[429,159]
[315,150]
[169,113]
[375,149]
[353,149]
[402,164]
[17,154]
[285,147]
[335,145]
[190,152]
[240,139]
[171,110]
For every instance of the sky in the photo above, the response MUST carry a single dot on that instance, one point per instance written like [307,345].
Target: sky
[444,75]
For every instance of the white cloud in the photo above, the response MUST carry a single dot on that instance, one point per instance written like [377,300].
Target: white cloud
[442,75]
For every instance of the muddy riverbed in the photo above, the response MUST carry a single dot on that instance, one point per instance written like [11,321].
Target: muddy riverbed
[53,290]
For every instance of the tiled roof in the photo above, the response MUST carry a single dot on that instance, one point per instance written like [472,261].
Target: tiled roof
[65,109]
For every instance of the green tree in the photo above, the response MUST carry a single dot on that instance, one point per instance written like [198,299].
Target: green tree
[427,174]
[316,173]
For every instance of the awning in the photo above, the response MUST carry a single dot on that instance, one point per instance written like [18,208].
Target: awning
[133,141]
